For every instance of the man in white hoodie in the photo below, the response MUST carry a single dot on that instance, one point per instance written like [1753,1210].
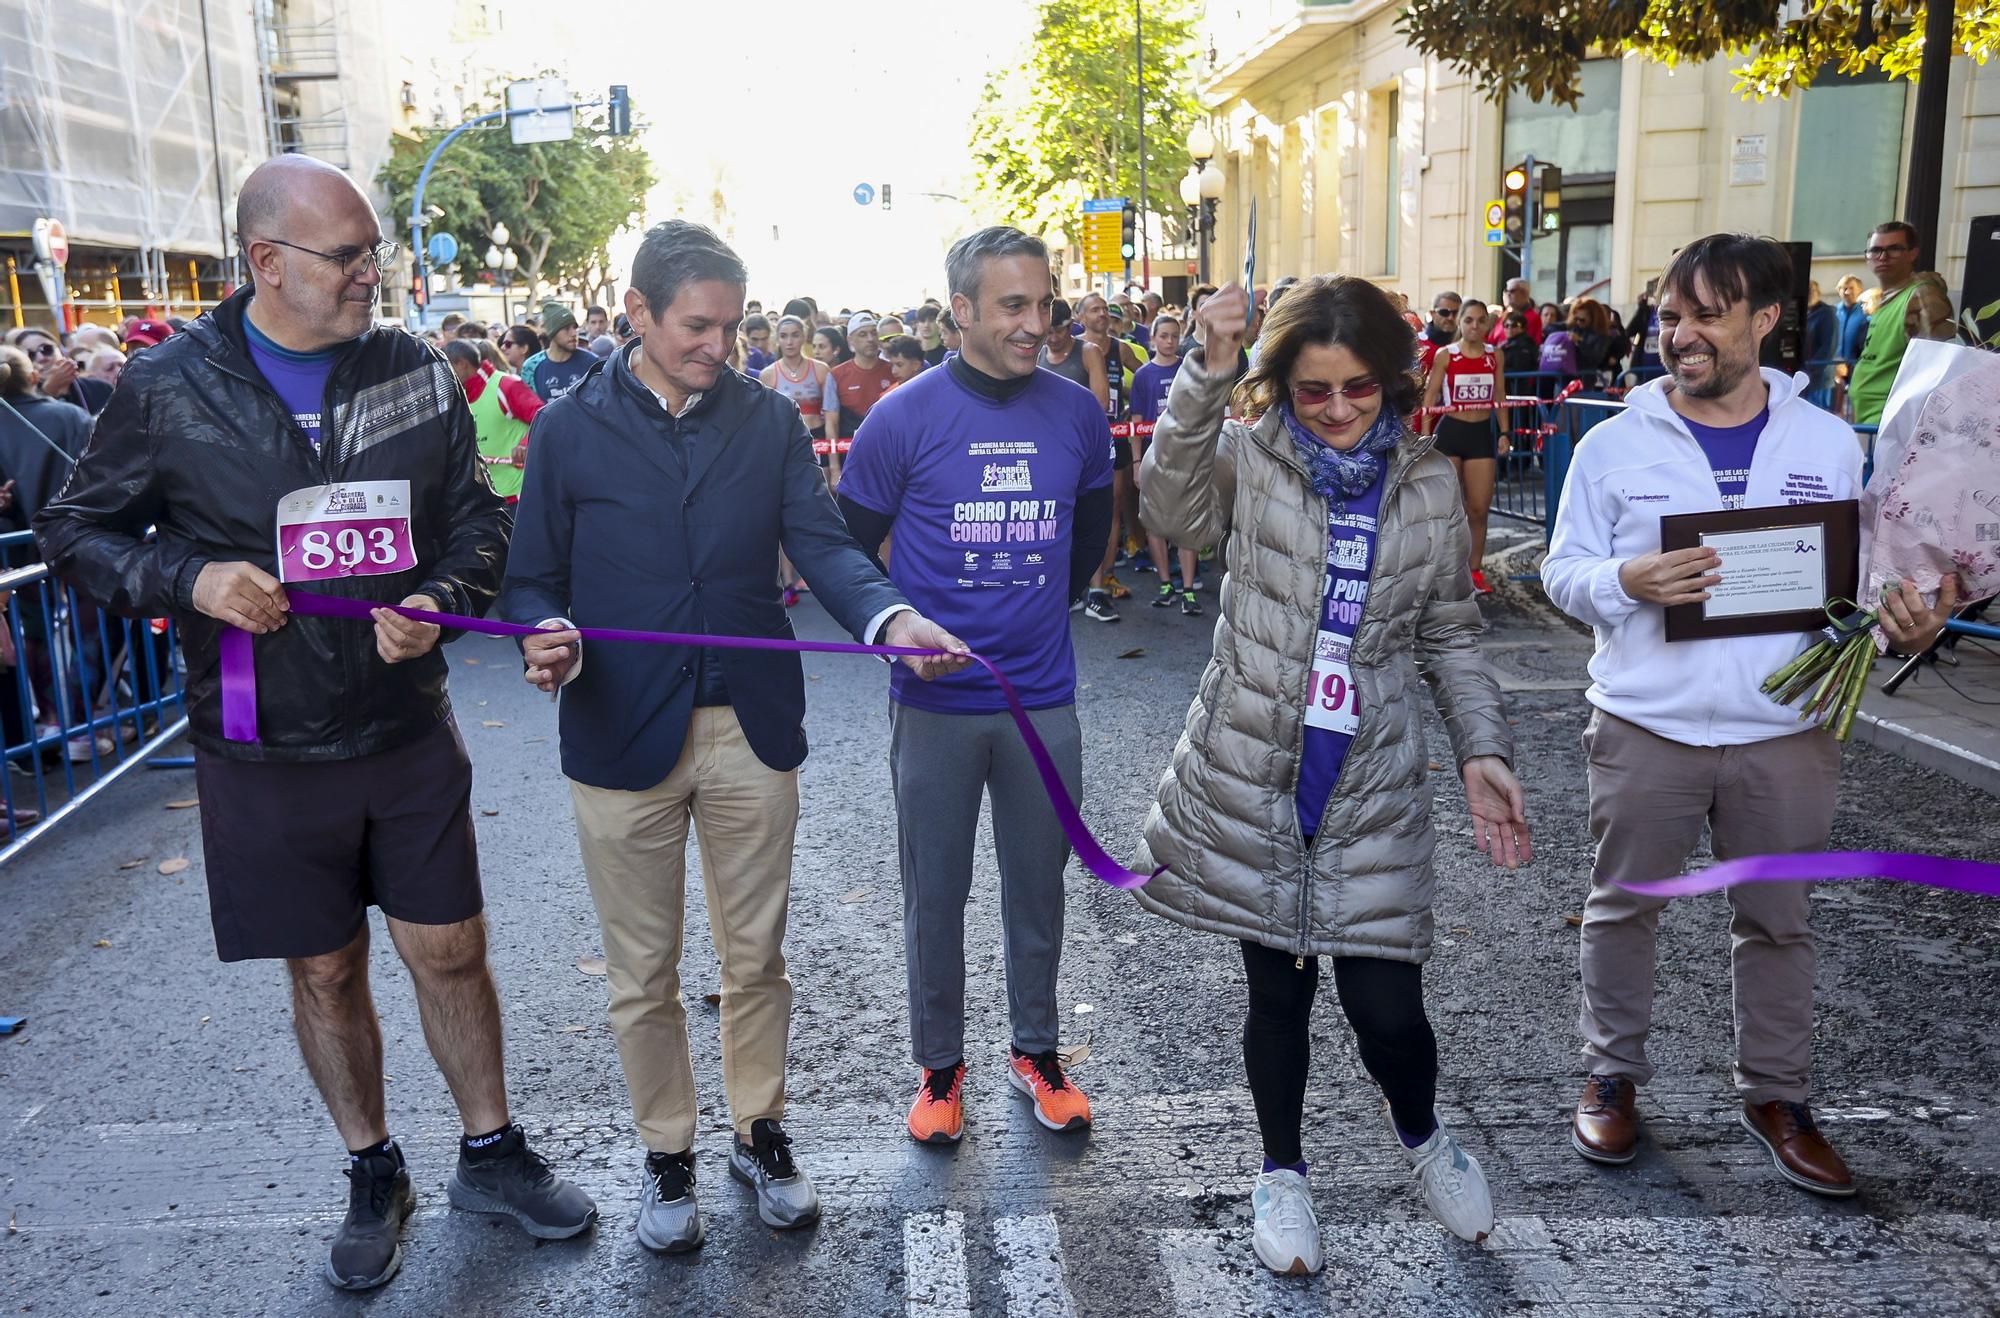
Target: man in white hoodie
[1682,736]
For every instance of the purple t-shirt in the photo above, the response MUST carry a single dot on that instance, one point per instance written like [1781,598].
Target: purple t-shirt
[298,377]
[1729,449]
[984,496]
[1333,710]
[1150,384]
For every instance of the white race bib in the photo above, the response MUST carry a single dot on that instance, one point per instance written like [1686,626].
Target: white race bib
[1330,703]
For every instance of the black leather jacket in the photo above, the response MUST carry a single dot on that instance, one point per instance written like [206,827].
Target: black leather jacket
[195,443]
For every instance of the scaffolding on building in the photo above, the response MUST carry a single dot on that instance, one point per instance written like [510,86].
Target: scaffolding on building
[133,124]
[299,45]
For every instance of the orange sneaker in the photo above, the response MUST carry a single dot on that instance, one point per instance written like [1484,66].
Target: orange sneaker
[1059,1105]
[937,1116]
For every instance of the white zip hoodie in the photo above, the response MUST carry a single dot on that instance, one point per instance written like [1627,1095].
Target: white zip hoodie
[1627,473]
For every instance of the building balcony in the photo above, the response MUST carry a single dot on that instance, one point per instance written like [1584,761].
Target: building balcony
[1250,39]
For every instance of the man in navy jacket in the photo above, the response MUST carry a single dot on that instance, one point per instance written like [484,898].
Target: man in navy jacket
[658,495]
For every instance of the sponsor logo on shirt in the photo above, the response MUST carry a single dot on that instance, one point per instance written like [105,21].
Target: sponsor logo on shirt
[1350,555]
[1014,476]
[1630,497]
[971,560]
[1032,560]
[1003,562]
[347,501]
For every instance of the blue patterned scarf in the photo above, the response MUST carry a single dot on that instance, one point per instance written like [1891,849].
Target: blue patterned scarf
[1338,474]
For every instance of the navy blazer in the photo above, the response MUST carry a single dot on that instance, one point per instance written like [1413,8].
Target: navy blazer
[620,526]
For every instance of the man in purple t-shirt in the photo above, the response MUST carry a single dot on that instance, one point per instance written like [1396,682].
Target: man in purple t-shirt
[995,479]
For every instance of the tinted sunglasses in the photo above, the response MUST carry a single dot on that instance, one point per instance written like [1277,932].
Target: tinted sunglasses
[1353,393]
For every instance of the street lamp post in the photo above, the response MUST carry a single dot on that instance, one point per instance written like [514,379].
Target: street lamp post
[502,260]
[1202,188]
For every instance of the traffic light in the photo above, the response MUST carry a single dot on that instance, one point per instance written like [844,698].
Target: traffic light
[885,196]
[1128,231]
[1514,197]
[619,111]
[1548,200]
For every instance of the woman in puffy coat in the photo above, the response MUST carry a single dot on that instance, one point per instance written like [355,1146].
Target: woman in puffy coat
[1296,815]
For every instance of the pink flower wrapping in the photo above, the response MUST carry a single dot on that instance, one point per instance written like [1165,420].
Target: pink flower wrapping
[1938,511]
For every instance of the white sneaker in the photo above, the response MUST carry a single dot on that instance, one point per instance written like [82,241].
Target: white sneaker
[1286,1236]
[1454,1187]
[79,748]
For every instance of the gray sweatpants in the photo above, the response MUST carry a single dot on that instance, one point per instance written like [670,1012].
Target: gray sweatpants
[940,765]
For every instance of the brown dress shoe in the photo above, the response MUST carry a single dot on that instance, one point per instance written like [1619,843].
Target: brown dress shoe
[1606,1129]
[1801,1153]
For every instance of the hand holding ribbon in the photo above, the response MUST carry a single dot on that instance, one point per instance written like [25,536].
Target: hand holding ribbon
[239,686]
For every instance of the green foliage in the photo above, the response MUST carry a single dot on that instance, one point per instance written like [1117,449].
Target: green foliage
[1538,45]
[561,201]
[1058,124]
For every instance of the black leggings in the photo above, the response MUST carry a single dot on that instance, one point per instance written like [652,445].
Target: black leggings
[1384,1002]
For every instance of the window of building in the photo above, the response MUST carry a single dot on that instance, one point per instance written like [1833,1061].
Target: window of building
[1392,181]
[1583,140]
[1850,152]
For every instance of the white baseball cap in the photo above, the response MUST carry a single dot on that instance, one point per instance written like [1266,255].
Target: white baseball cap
[860,320]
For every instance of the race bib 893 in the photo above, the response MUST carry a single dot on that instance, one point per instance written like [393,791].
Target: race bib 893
[355,529]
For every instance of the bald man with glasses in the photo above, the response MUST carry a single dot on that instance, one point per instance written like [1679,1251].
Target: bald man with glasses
[276,429]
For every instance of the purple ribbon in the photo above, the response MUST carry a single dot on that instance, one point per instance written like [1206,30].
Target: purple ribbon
[1974,876]
[239,693]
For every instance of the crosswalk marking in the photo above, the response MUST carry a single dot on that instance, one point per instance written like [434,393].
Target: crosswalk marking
[934,1284]
[1030,1251]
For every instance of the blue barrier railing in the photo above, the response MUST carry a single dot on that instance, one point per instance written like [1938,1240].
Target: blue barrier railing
[85,697]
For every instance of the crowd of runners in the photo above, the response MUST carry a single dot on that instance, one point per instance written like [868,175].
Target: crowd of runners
[954,478]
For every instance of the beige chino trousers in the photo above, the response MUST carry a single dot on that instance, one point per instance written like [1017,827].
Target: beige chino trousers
[1649,797]
[745,815]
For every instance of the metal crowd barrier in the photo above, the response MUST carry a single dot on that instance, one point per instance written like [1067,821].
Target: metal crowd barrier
[85,698]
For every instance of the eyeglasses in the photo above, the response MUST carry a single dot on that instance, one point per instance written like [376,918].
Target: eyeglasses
[44,350]
[1874,252]
[1313,396]
[1445,313]
[351,262]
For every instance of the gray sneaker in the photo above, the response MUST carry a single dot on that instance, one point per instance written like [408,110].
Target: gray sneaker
[369,1247]
[785,1196]
[511,1180]
[669,1219]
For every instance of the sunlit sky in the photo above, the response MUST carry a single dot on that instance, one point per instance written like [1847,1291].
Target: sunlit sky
[786,106]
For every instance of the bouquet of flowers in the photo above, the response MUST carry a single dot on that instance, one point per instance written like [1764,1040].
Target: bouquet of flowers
[1931,510]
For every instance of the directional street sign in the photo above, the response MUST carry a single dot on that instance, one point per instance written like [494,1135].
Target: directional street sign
[1496,214]
[1496,237]
[553,118]
[443,249]
[1103,235]
[864,194]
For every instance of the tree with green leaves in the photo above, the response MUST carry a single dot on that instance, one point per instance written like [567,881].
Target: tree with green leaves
[1538,46]
[562,202]
[1060,123]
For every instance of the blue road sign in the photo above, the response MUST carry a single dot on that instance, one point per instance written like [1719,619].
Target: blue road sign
[443,249]
[864,194]
[1100,205]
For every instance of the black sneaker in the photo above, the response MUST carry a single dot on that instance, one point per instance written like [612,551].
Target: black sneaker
[369,1247]
[1098,606]
[1164,597]
[1190,606]
[511,1180]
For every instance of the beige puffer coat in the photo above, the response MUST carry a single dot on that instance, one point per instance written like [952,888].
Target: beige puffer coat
[1226,822]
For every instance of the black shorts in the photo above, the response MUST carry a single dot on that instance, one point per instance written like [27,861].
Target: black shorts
[297,853]
[1467,440]
[1121,454]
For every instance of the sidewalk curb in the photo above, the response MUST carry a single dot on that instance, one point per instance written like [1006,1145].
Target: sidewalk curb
[1968,767]
[1920,748]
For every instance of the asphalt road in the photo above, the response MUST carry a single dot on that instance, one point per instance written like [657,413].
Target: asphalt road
[165,1152]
